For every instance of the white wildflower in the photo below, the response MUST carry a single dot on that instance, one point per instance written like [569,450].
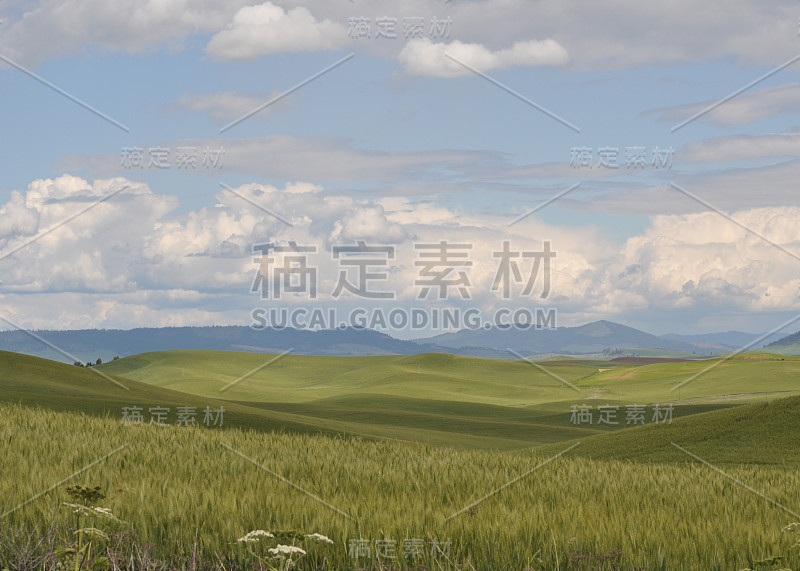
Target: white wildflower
[319,537]
[89,510]
[255,535]
[286,550]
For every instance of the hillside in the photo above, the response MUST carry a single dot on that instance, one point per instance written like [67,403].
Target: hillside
[444,377]
[32,381]
[39,382]
[755,434]
[435,398]
[789,345]
[463,401]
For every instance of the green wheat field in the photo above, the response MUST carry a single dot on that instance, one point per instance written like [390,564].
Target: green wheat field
[398,462]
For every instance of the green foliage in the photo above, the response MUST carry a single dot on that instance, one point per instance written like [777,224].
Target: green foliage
[85,494]
[79,552]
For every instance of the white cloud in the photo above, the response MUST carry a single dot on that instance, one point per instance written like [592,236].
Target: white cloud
[609,35]
[367,223]
[143,308]
[269,29]
[704,261]
[323,159]
[17,218]
[743,148]
[302,188]
[227,106]
[134,260]
[424,57]
[730,189]
[743,109]
[98,250]
[61,28]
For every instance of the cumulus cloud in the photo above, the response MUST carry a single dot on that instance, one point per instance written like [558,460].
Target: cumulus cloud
[367,223]
[137,260]
[17,218]
[704,260]
[97,250]
[424,57]
[139,248]
[269,29]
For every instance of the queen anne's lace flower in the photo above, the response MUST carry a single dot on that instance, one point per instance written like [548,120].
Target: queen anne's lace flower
[255,535]
[286,550]
[319,537]
[89,510]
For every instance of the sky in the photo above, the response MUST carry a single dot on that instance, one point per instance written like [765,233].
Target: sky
[151,149]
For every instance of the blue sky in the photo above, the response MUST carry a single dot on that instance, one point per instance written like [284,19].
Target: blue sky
[396,145]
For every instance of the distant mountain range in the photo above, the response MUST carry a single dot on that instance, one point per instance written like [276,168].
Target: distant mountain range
[89,344]
[592,338]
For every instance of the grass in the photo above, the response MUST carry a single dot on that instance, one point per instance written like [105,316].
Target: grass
[186,495]
[399,445]
[759,434]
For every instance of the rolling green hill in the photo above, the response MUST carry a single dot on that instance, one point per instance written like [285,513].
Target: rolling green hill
[788,345]
[439,399]
[247,377]
[38,382]
[299,378]
[33,381]
[48,384]
[764,434]
[463,401]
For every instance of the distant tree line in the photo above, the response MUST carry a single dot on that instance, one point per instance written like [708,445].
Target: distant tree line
[90,364]
[609,352]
